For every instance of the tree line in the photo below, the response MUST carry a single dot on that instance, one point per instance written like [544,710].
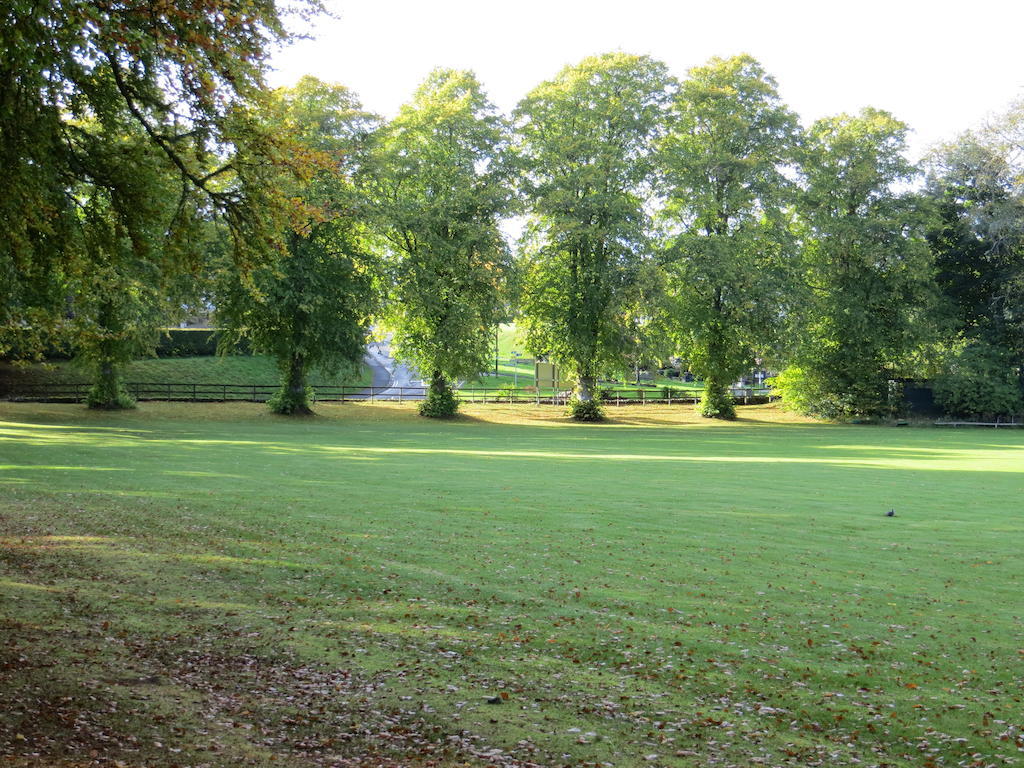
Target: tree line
[149,170]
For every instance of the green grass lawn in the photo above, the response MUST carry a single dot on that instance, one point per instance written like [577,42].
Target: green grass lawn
[213,585]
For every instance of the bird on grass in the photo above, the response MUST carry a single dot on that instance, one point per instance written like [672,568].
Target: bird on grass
[891,513]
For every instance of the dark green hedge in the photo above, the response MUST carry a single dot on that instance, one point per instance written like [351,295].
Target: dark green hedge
[193,342]
[172,342]
[187,342]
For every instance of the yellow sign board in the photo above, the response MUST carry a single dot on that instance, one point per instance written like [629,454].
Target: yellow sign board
[546,375]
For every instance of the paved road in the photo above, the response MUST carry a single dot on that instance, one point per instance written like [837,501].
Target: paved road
[396,378]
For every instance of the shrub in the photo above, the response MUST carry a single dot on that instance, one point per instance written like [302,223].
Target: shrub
[290,403]
[195,342]
[808,392]
[440,403]
[979,381]
[715,404]
[109,394]
[585,410]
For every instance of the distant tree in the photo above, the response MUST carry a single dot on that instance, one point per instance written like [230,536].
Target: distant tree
[727,213]
[977,185]
[439,194]
[584,148]
[311,307]
[72,76]
[646,321]
[866,265]
[980,380]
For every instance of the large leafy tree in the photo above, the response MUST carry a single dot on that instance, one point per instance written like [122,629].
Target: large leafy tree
[138,244]
[72,75]
[727,217]
[439,193]
[977,185]
[311,307]
[866,265]
[584,149]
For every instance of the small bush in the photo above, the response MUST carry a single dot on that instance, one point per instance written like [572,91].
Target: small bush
[585,410]
[109,394]
[290,403]
[715,404]
[440,403]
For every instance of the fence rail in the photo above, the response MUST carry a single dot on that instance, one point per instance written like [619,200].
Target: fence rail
[258,393]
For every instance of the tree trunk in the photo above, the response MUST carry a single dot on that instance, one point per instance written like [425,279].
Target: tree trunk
[438,384]
[716,402]
[293,397]
[585,389]
[108,392]
[440,402]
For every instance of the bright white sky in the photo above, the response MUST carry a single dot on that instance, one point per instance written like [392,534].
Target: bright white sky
[938,65]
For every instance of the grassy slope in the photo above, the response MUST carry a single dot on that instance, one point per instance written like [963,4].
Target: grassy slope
[236,586]
[235,369]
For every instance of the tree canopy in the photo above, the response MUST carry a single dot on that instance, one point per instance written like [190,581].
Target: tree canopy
[77,78]
[142,153]
[585,145]
[727,215]
[439,193]
[866,265]
[311,307]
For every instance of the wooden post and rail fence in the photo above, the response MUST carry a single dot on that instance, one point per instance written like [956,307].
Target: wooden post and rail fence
[257,393]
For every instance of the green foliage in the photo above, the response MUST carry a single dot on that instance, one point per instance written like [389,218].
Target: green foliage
[819,392]
[108,392]
[716,402]
[729,282]
[977,185]
[438,194]
[980,381]
[584,152]
[187,342]
[292,400]
[586,410]
[440,402]
[125,125]
[792,386]
[311,307]
[129,277]
[866,267]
